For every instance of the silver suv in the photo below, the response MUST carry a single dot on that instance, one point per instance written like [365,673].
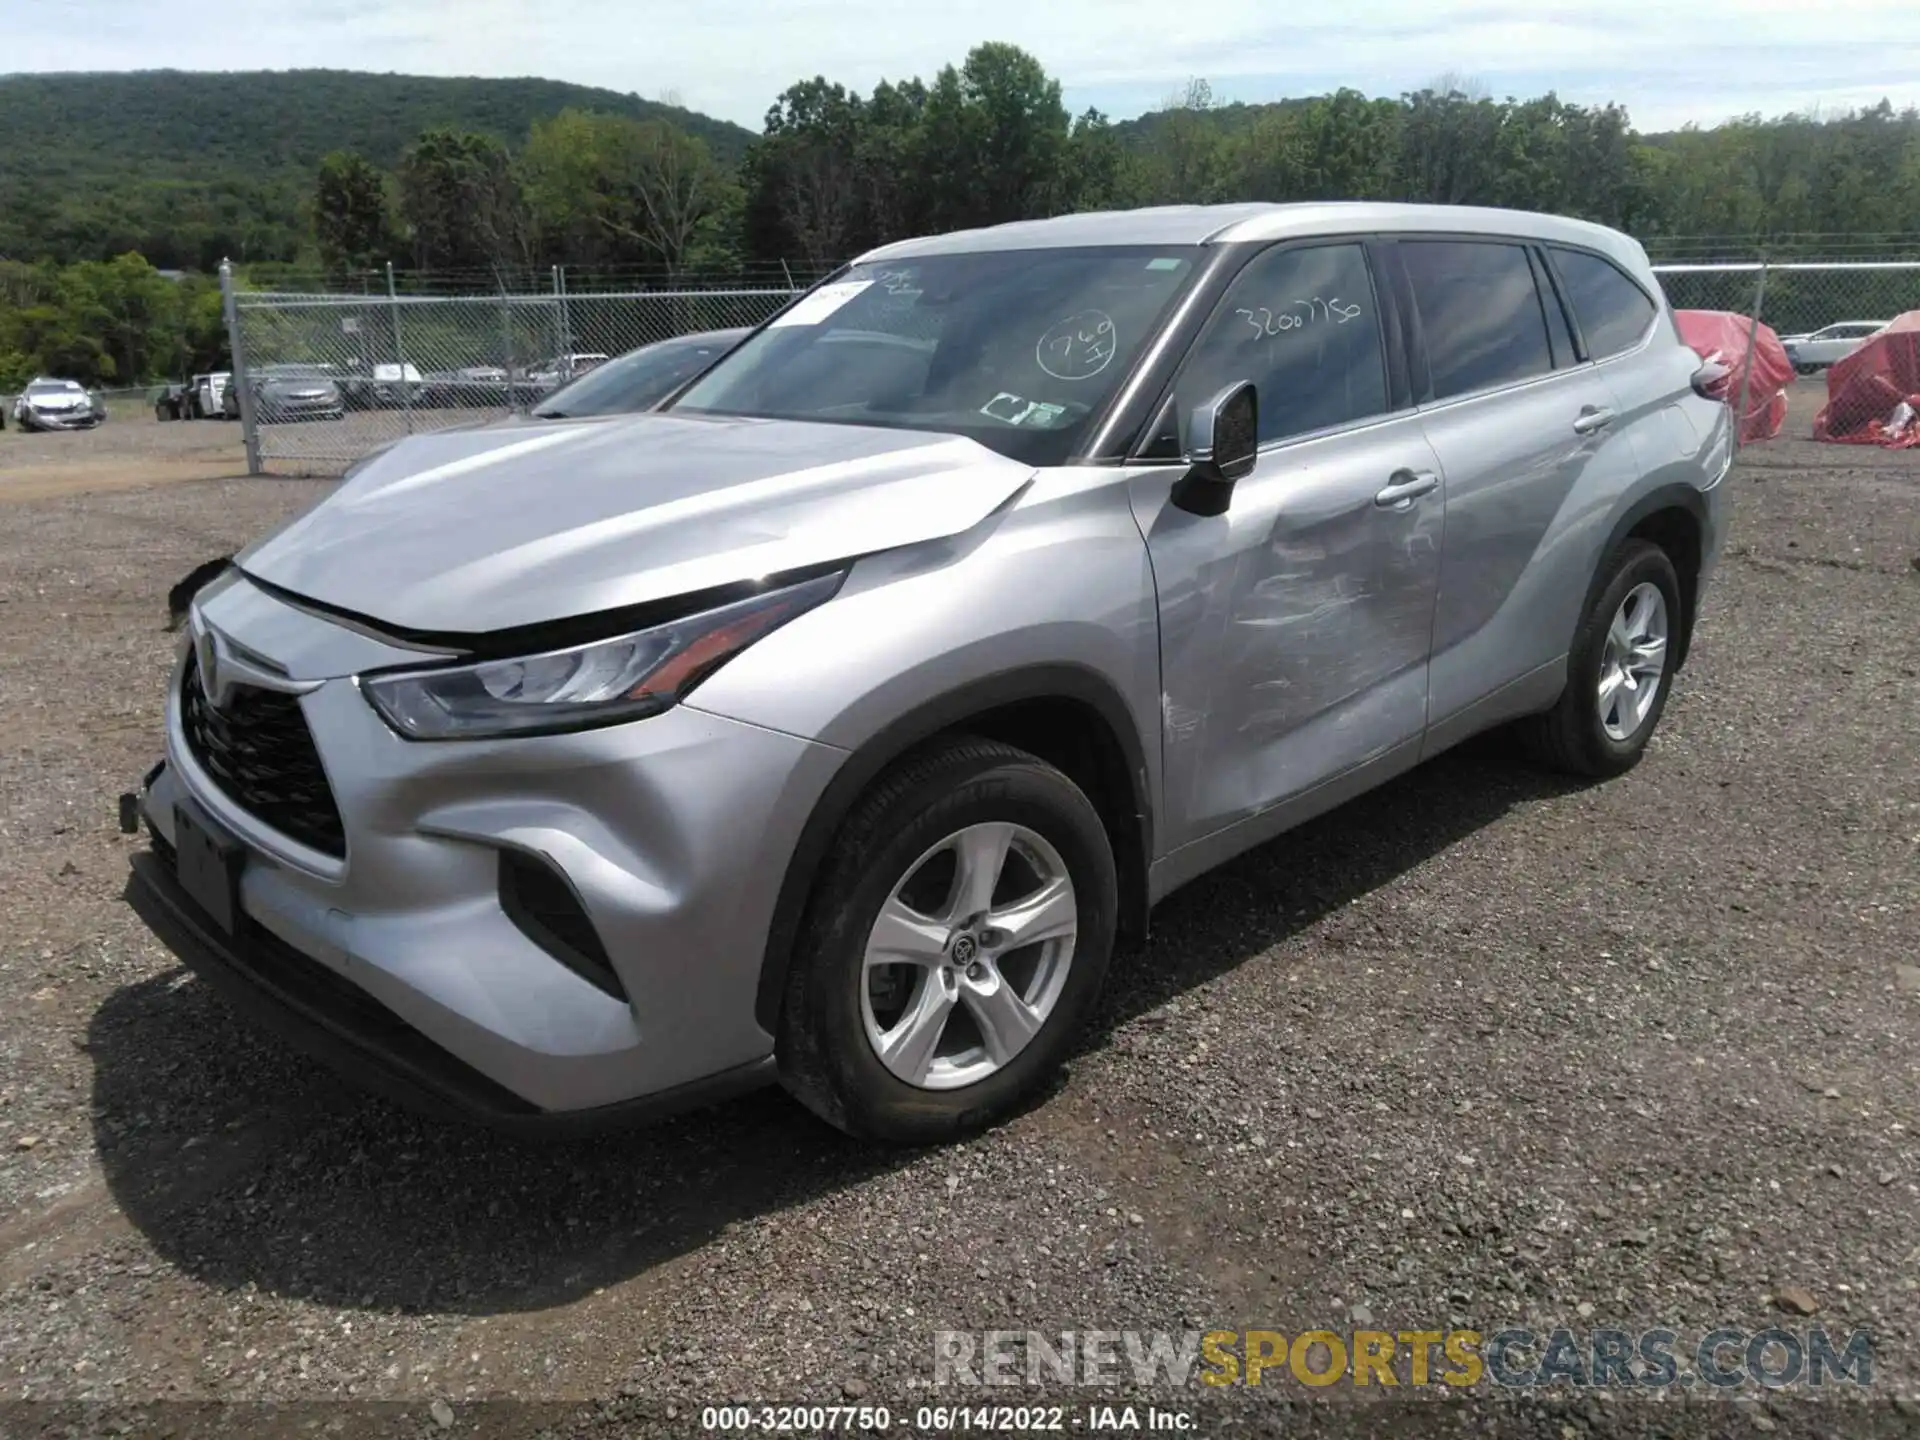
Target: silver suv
[834,722]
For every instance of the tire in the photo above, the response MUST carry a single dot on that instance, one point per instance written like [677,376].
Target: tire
[1575,736]
[827,1057]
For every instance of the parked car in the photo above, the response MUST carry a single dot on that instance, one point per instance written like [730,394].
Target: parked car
[639,379]
[284,393]
[1817,349]
[170,402]
[50,404]
[203,397]
[206,395]
[832,721]
[544,375]
[470,387]
[390,385]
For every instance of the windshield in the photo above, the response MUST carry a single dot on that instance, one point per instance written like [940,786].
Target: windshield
[1017,349]
[55,387]
[638,380]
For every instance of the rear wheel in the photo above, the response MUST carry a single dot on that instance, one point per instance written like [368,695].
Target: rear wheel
[954,945]
[1619,671]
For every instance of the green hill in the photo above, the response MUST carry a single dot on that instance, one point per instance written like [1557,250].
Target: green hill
[187,166]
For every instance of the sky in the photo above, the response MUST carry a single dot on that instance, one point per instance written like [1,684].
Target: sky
[1669,62]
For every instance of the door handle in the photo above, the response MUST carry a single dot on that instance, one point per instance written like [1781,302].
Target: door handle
[1592,418]
[1405,487]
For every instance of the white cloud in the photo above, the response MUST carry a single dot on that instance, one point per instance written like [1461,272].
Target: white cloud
[1668,62]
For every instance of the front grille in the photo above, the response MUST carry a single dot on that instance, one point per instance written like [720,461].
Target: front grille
[261,755]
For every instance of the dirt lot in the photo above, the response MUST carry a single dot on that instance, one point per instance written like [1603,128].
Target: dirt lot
[1482,1049]
[132,450]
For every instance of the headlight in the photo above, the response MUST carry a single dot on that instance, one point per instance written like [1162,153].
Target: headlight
[603,683]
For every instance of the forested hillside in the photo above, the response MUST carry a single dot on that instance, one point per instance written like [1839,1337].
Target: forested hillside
[320,177]
[188,167]
[1777,182]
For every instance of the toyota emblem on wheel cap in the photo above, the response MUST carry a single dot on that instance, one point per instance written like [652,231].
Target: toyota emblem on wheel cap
[963,950]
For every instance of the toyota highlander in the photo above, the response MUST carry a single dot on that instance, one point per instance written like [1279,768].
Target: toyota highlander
[835,721]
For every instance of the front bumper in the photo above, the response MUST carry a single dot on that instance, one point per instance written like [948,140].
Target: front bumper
[278,410]
[59,420]
[328,1019]
[398,961]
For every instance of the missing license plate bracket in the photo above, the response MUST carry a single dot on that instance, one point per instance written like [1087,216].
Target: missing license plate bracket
[208,862]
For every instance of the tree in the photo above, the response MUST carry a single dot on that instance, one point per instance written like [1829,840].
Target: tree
[678,188]
[1184,151]
[1097,171]
[816,130]
[352,213]
[623,189]
[834,174]
[116,321]
[460,197]
[991,139]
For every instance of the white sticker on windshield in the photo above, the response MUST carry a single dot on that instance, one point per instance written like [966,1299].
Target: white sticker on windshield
[822,303]
[1017,411]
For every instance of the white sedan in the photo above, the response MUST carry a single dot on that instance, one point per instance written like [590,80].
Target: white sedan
[1821,348]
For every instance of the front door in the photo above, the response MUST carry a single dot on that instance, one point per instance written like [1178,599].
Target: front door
[1294,628]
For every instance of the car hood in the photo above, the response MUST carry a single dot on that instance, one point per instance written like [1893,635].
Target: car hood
[469,531]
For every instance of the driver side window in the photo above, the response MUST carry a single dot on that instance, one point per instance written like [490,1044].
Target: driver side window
[1303,326]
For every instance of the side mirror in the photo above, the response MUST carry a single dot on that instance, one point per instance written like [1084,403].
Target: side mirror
[1712,380]
[1224,443]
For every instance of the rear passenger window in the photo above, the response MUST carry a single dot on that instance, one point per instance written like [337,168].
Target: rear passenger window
[1613,311]
[1301,324]
[1480,312]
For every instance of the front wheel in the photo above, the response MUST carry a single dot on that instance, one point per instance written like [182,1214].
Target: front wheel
[955,943]
[1619,671]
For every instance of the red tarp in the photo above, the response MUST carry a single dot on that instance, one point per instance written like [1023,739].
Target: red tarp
[1873,395]
[1721,337]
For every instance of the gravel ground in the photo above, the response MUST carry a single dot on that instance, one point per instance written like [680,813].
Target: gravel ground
[132,450]
[1482,1049]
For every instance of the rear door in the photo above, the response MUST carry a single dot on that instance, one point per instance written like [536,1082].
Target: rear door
[1530,439]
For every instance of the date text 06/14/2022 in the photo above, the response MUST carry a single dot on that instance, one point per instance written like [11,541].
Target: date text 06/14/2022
[944,1419]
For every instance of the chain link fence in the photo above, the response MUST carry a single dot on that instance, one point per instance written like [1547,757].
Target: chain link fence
[333,375]
[1822,310]
[324,378]
[1797,297]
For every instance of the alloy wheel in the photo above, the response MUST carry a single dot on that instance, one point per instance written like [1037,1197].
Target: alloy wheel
[969,956]
[1633,662]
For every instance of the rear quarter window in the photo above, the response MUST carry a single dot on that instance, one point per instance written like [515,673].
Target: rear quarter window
[1614,313]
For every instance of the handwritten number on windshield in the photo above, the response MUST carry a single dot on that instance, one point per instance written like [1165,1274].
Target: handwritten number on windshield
[1078,348]
[1299,315]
